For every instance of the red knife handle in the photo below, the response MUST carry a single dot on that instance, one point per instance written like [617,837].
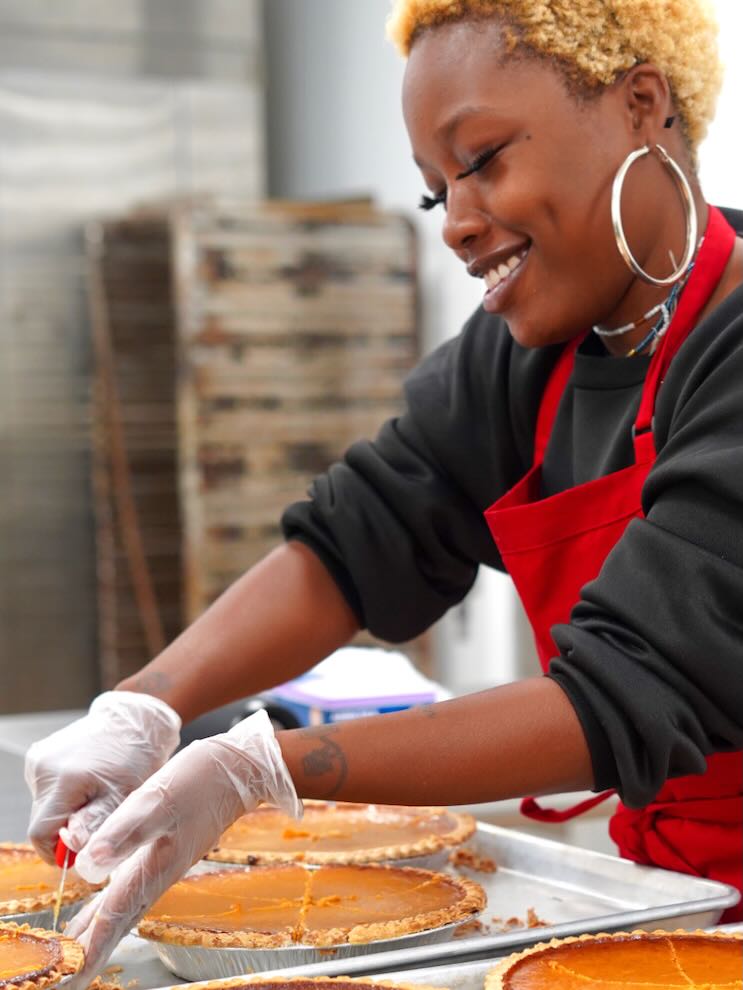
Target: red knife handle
[60,851]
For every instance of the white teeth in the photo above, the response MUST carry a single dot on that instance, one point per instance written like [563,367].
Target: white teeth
[496,275]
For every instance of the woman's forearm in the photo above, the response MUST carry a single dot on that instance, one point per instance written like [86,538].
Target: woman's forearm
[281,617]
[524,738]
[287,613]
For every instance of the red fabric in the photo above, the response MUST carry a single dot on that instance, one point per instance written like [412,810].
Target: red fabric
[533,809]
[693,826]
[553,546]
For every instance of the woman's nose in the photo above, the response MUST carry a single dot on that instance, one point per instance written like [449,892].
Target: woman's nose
[465,220]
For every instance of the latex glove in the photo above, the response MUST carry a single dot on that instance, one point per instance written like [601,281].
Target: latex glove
[169,823]
[78,775]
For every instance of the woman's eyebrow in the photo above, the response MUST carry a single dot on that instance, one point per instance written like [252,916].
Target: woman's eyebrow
[450,126]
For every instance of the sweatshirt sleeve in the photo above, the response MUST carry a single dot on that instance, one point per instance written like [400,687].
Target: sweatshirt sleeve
[651,658]
[399,521]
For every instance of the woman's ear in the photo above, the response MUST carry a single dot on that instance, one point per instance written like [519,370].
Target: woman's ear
[648,101]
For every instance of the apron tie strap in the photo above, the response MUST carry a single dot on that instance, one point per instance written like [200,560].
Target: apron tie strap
[531,808]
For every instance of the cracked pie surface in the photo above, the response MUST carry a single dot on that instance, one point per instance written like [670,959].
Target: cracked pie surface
[274,906]
[341,833]
[32,958]
[626,961]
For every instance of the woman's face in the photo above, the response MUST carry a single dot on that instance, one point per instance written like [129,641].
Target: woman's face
[526,171]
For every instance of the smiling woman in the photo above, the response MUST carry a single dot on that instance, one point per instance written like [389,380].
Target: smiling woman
[510,101]
[584,433]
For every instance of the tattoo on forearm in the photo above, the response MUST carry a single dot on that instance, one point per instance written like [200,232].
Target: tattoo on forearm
[152,682]
[326,759]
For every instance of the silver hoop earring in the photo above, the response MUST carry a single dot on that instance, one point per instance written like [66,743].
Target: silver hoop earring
[692,225]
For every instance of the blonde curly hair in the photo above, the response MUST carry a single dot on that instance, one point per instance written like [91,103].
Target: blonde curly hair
[596,40]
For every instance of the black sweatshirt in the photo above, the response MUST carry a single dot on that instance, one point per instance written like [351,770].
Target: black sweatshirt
[652,658]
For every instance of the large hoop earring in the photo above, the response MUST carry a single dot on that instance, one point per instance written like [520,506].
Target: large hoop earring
[692,224]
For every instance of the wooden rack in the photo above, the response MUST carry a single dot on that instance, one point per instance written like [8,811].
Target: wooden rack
[240,350]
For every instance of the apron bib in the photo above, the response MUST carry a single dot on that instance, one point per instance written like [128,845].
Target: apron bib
[553,546]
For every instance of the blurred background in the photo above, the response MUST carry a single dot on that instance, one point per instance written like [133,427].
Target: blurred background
[212,279]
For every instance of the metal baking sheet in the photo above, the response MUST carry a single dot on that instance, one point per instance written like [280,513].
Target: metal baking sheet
[573,890]
[460,976]
[471,975]
[134,959]
[137,960]
[468,975]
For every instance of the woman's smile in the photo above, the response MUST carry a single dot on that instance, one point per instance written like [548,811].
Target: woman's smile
[500,279]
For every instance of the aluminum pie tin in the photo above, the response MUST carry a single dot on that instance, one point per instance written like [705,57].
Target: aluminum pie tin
[201,963]
[436,861]
[433,861]
[44,918]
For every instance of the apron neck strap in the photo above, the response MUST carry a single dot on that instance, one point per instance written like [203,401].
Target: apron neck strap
[552,394]
[711,262]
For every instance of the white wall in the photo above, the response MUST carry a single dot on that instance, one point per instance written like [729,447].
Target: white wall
[721,157]
[335,128]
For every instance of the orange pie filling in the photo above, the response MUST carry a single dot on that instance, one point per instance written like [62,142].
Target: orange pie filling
[24,874]
[630,962]
[299,905]
[27,883]
[34,959]
[343,829]
[26,956]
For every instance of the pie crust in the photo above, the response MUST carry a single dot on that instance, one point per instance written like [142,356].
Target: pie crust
[256,982]
[660,960]
[29,884]
[341,833]
[273,906]
[48,957]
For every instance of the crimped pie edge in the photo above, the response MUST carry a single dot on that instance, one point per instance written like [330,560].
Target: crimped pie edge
[73,957]
[469,905]
[494,977]
[256,978]
[76,889]
[427,845]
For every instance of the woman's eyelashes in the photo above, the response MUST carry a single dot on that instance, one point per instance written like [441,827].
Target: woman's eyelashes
[429,202]
[480,161]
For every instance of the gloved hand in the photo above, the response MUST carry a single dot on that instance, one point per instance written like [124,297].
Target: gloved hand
[78,775]
[171,821]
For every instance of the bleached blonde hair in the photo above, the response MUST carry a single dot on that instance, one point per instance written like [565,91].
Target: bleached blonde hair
[595,41]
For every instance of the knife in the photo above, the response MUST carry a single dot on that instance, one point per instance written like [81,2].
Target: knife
[64,858]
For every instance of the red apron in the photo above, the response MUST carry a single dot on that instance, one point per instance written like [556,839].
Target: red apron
[552,546]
